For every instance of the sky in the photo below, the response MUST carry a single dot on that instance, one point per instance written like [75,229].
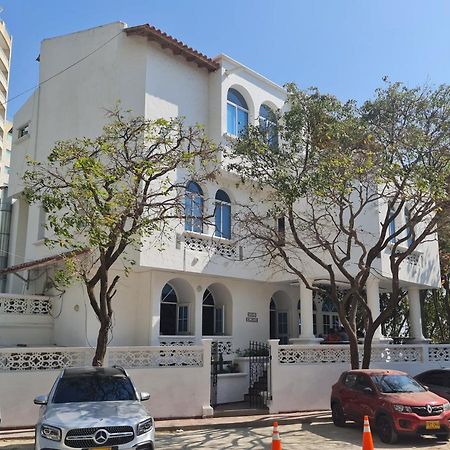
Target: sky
[344,47]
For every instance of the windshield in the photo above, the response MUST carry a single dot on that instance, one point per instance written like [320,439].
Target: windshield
[93,389]
[396,383]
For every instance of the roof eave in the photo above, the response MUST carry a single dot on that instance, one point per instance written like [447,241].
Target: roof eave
[177,47]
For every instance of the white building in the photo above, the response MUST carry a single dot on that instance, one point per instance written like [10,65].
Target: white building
[201,285]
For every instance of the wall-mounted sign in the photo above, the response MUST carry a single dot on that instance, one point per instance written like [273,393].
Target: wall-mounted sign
[251,317]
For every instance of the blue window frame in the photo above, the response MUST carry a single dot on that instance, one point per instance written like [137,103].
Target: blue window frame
[174,317]
[183,319]
[212,316]
[392,228]
[268,125]
[409,227]
[193,208]
[222,215]
[237,113]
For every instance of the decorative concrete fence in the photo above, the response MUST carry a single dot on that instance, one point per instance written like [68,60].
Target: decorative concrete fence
[25,319]
[302,375]
[177,378]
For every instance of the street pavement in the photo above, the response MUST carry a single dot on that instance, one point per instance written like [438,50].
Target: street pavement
[321,435]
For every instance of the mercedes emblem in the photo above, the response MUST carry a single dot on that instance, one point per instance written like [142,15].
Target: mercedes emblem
[101,436]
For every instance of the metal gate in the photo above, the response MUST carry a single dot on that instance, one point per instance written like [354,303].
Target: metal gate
[214,370]
[258,390]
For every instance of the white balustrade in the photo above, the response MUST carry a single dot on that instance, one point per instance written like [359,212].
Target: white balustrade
[210,245]
[439,353]
[176,340]
[301,354]
[25,305]
[43,358]
[224,344]
[145,357]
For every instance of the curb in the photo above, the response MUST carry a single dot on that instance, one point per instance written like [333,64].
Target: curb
[259,421]
[240,422]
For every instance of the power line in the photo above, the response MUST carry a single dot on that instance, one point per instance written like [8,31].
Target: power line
[62,71]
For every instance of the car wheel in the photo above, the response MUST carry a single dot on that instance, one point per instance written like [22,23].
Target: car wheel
[337,414]
[386,430]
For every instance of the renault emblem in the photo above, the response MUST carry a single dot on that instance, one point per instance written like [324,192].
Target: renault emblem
[101,436]
[429,409]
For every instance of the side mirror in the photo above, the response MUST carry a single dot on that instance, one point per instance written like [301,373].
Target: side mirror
[41,400]
[144,396]
[368,390]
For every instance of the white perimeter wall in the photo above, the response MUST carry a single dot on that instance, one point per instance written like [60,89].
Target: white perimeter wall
[175,391]
[307,386]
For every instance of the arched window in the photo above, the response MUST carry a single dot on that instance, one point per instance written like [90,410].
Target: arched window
[222,215]
[273,319]
[278,323]
[174,316]
[409,227]
[268,125]
[193,208]
[212,316]
[330,315]
[237,113]
[392,228]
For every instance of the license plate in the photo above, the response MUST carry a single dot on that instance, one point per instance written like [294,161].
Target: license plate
[432,425]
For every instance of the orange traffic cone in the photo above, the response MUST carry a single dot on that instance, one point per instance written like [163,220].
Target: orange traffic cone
[276,443]
[367,443]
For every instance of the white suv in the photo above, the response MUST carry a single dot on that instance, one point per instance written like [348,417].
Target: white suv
[94,408]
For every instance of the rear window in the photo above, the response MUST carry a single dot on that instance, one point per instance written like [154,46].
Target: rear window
[396,383]
[93,389]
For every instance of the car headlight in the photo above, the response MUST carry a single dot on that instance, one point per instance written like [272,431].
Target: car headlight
[402,408]
[49,432]
[446,406]
[145,426]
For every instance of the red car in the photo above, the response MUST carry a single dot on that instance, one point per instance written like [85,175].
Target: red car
[395,403]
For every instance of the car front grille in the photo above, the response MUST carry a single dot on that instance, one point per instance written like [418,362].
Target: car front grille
[85,437]
[424,411]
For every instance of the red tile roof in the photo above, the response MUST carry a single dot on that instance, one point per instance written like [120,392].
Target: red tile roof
[42,262]
[177,47]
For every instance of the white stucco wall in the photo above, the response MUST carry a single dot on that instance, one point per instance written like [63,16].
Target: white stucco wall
[307,387]
[174,391]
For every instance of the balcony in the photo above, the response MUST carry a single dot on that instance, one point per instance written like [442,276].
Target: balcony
[211,245]
[4,82]
[5,60]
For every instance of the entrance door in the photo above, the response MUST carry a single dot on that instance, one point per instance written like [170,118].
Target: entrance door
[282,327]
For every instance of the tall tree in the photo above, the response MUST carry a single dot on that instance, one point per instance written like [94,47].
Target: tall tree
[106,194]
[352,184]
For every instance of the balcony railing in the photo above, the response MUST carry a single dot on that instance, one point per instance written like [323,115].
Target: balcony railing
[212,245]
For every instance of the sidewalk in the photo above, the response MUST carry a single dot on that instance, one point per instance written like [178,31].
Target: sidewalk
[201,424]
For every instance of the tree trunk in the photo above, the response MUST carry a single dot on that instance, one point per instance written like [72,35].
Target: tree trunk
[354,350]
[368,347]
[102,343]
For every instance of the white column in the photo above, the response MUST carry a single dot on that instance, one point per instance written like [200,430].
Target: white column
[198,314]
[293,319]
[155,310]
[373,302]
[415,317]
[306,312]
